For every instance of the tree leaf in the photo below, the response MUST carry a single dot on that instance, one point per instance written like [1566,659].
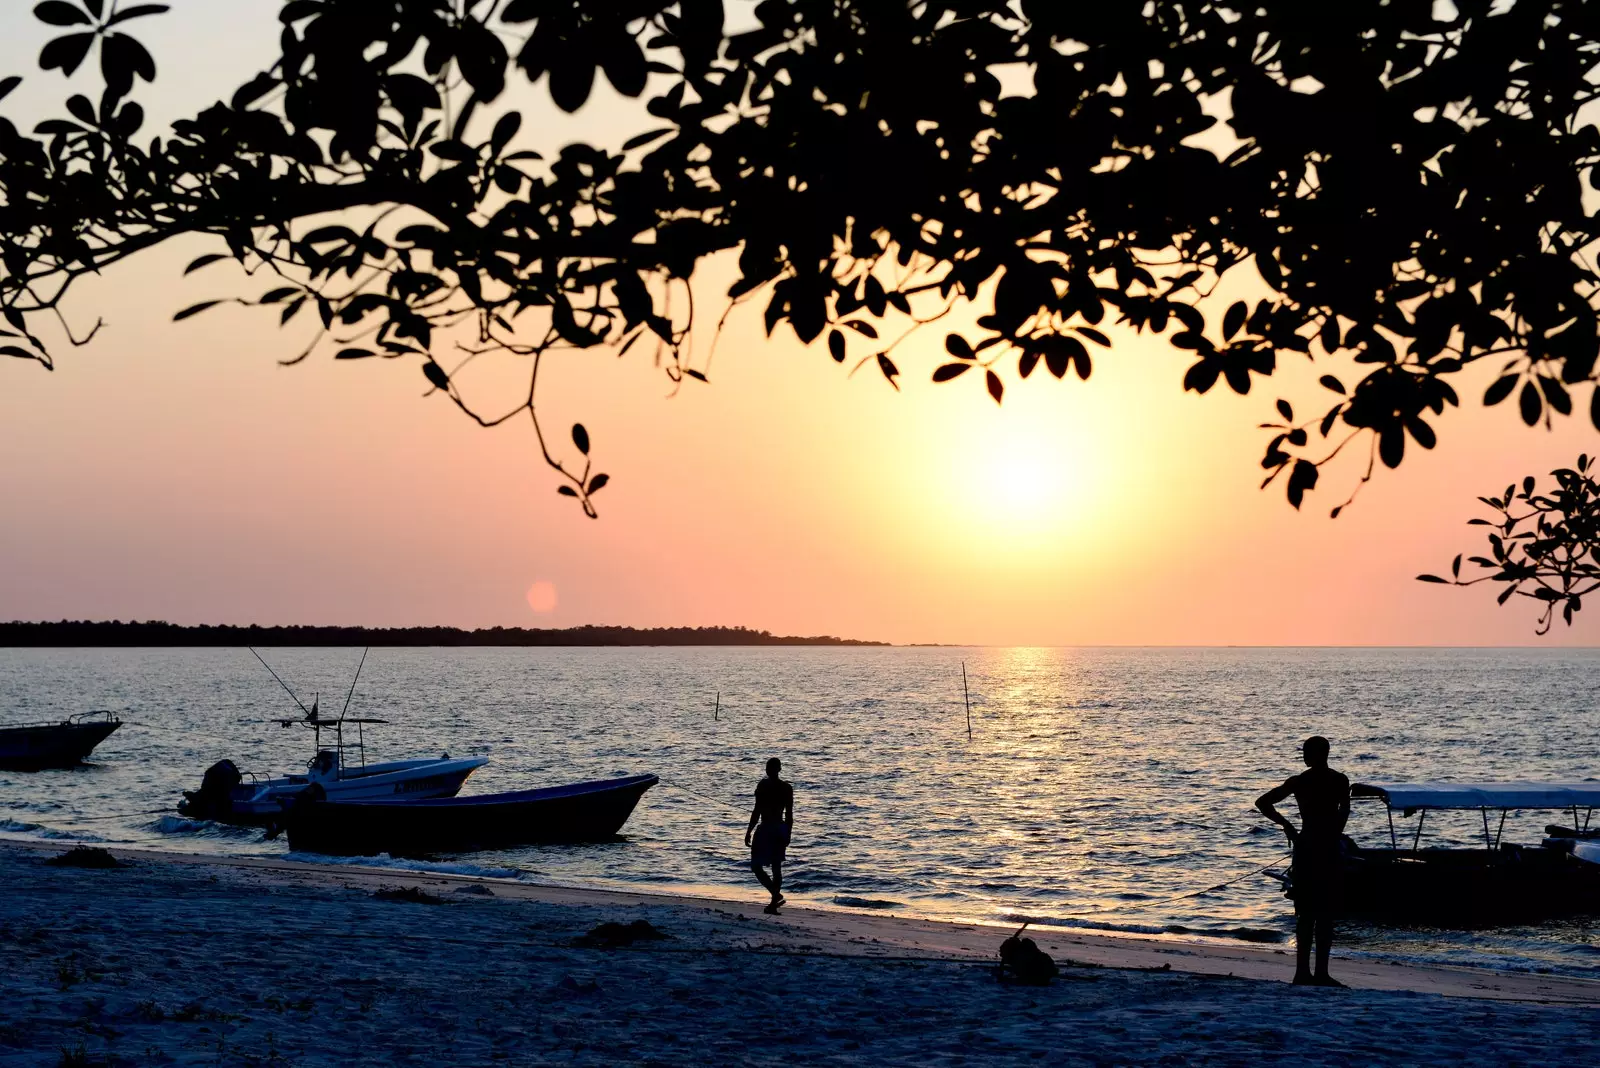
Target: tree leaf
[195,309]
[435,375]
[8,84]
[580,438]
[996,387]
[1285,410]
[1332,383]
[566,491]
[598,483]
[959,347]
[201,261]
[356,354]
[1499,390]
[66,53]
[505,128]
[946,372]
[888,368]
[1233,321]
[1530,404]
[60,13]
[1435,578]
[640,140]
[836,346]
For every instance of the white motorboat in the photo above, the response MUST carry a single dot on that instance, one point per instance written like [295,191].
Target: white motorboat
[339,772]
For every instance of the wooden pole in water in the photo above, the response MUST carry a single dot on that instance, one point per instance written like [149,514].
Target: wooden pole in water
[967,698]
[716,712]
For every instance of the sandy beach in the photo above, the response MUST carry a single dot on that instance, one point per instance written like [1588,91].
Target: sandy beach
[176,959]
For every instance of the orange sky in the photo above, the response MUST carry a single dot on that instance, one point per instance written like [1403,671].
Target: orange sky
[173,470]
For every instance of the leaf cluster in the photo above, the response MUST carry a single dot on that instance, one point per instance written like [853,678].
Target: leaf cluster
[1543,544]
[1407,180]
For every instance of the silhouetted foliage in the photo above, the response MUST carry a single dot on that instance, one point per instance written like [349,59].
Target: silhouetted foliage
[1544,545]
[1406,177]
[87,633]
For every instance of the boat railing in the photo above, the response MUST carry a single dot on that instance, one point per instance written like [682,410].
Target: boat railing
[77,719]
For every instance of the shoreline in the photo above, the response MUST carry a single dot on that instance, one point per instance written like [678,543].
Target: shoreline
[851,932]
[183,959]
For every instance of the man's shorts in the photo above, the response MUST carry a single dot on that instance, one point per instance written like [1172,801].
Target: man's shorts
[1318,879]
[770,844]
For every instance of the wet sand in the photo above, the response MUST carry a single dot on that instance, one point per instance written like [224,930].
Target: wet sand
[178,959]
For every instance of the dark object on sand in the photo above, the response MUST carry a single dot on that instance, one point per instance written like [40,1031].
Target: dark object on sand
[582,812]
[408,893]
[613,935]
[1500,883]
[1022,961]
[36,746]
[85,857]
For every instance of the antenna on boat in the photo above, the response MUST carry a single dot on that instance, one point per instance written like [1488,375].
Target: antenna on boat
[285,685]
[352,692]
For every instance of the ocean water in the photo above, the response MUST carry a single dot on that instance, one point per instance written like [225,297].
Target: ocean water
[1101,788]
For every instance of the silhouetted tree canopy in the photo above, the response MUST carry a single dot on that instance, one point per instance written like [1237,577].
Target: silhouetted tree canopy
[1407,178]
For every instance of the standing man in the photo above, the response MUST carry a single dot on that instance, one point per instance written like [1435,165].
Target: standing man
[1324,799]
[774,811]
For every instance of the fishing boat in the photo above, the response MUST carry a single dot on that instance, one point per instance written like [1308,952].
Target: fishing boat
[37,746]
[339,771]
[1500,883]
[581,812]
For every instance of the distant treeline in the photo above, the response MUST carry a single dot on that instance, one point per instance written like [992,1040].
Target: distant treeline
[156,633]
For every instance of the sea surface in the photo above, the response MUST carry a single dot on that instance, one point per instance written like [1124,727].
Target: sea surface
[1100,788]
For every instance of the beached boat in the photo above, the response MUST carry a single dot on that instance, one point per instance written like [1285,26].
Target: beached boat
[230,796]
[581,812]
[37,746]
[1501,883]
[340,772]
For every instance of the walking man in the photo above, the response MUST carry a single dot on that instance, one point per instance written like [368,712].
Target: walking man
[1324,799]
[770,823]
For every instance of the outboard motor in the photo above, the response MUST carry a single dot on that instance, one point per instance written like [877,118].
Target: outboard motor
[214,799]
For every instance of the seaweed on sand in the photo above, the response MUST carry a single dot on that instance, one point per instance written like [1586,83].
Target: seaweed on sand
[614,935]
[85,857]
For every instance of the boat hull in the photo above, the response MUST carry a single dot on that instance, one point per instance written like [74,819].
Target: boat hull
[56,745]
[1468,888]
[582,812]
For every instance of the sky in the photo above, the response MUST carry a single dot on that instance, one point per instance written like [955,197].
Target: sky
[176,471]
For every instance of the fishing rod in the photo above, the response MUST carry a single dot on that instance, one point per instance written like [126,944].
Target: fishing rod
[352,692]
[285,685]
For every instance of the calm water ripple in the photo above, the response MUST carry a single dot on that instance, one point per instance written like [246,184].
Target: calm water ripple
[1100,787]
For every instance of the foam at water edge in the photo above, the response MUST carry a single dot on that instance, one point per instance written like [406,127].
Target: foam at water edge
[479,871]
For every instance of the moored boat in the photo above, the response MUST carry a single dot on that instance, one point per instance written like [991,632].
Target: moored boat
[580,812]
[228,795]
[37,746]
[1500,883]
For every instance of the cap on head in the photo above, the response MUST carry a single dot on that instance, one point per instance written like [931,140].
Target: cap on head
[774,766]
[1315,749]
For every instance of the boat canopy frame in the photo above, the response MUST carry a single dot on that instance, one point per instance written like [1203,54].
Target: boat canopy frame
[1423,797]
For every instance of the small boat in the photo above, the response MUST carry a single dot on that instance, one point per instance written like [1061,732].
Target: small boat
[581,812]
[228,795]
[36,746]
[1501,883]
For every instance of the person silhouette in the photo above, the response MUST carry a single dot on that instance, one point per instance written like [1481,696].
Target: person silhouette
[768,842]
[1324,799]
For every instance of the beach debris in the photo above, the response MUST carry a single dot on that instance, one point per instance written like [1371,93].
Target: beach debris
[476,889]
[85,857]
[613,935]
[1022,961]
[408,893]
